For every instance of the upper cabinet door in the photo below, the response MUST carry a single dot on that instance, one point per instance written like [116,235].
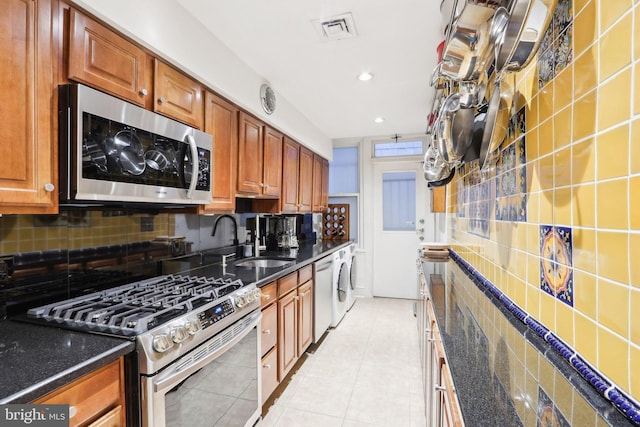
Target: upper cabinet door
[28,177]
[177,96]
[305,181]
[105,60]
[221,121]
[272,175]
[249,155]
[290,170]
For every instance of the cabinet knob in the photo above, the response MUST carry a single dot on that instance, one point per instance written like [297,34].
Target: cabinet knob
[162,99]
[49,187]
[266,366]
[72,411]
[266,296]
[261,184]
[267,332]
[144,92]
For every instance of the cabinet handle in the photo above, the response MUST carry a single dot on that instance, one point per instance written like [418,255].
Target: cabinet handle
[261,184]
[162,99]
[267,332]
[440,388]
[266,296]
[49,187]
[144,92]
[72,411]
[266,366]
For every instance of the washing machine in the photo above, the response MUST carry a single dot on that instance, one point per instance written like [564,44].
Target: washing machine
[340,286]
[353,274]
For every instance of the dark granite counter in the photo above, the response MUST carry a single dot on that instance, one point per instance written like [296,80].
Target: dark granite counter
[504,373]
[35,360]
[209,264]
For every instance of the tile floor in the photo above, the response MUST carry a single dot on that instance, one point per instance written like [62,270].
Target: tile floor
[365,373]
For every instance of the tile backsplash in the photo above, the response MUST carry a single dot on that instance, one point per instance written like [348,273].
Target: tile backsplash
[555,224]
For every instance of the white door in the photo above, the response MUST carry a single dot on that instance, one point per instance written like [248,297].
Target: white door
[400,220]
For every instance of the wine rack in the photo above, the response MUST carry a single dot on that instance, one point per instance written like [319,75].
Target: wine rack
[335,222]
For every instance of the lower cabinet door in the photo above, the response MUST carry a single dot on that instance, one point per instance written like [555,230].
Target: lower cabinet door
[287,333]
[112,418]
[269,373]
[269,326]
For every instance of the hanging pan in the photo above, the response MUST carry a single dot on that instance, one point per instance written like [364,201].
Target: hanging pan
[497,120]
[528,22]
[454,129]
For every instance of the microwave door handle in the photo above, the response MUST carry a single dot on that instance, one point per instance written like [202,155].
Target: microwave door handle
[194,165]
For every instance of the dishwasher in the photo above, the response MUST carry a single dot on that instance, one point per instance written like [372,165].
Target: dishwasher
[322,295]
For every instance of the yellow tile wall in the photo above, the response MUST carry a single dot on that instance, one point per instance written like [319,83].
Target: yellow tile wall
[583,171]
[26,233]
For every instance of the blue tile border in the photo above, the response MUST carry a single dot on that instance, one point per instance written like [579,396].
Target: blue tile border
[628,406]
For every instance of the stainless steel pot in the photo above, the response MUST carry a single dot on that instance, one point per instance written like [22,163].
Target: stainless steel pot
[469,46]
[434,167]
[132,161]
[156,160]
[454,129]
[528,22]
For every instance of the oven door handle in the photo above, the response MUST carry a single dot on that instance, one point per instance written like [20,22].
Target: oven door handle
[182,368]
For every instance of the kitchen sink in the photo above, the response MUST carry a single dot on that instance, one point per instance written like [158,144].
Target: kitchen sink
[264,262]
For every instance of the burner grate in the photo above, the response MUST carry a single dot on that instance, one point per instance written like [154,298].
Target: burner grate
[137,307]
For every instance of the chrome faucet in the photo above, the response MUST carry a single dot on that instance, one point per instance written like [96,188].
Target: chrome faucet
[235,227]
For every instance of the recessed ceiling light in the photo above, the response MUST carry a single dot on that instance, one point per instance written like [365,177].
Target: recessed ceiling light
[379,119]
[366,76]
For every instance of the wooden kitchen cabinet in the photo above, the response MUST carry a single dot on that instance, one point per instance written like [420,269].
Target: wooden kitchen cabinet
[97,399]
[305,316]
[28,135]
[269,332]
[269,373]
[320,184]
[177,95]
[297,177]
[101,58]
[290,173]
[439,199]
[287,333]
[259,159]
[269,339]
[221,121]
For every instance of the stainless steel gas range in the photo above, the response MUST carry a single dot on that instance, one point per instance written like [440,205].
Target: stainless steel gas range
[197,342]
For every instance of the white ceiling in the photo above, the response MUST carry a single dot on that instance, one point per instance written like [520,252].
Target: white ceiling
[396,42]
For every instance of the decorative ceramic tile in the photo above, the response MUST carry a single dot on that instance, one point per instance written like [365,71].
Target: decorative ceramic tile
[480,209]
[511,174]
[556,262]
[460,202]
[563,50]
[562,16]
[548,414]
[546,63]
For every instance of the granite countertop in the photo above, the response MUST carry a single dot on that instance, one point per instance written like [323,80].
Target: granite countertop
[39,359]
[209,264]
[504,373]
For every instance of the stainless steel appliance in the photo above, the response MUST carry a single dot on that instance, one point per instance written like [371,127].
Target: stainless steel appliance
[114,151]
[197,342]
[322,296]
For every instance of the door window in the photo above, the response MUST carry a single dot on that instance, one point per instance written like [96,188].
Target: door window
[399,201]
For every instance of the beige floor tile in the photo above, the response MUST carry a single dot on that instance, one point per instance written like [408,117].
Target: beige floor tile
[325,396]
[296,418]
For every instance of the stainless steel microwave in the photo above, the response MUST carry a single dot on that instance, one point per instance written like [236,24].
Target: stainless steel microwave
[112,151]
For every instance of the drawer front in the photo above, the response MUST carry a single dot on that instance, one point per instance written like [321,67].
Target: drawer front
[269,373]
[112,418]
[269,326]
[305,274]
[91,395]
[269,294]
[287,284]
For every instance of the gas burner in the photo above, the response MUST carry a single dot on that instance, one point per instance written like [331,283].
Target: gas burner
[137,307]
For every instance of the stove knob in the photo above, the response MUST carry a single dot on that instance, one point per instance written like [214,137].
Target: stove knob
[240,301]
[162,343]
[178,334]
[192,326]
[250,297]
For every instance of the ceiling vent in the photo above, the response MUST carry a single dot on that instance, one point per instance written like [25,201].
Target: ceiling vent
[336,27]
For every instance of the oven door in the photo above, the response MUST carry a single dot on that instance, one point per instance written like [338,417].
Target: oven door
[216,384]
